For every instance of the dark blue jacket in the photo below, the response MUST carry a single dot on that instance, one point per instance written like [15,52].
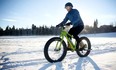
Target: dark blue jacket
[74,16]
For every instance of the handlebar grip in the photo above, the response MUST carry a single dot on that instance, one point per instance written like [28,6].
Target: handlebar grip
[68,24]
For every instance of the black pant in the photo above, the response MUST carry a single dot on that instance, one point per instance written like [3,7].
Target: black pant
[75,31]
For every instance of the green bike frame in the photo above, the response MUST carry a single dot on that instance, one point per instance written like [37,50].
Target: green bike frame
[63,35]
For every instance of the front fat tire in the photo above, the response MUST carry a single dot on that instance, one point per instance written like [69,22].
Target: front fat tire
[89,47]
[47,46]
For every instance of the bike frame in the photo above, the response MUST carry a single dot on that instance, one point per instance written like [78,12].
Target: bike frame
[63,35]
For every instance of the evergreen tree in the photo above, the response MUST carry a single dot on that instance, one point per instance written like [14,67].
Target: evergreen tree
[1,31]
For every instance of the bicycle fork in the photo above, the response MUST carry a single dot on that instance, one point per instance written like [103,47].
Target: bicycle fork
[58,46]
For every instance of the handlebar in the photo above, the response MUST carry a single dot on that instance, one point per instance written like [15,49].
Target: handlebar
[63,26]
[68,24]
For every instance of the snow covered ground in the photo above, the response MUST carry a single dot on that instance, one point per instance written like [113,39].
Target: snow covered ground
[26,53]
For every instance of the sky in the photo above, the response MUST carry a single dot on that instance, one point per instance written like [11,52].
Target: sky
[24,13]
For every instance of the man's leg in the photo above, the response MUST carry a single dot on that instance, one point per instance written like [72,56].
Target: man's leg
[76,31]
[81,44]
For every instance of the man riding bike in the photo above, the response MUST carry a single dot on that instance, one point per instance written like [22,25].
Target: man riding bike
[75,18]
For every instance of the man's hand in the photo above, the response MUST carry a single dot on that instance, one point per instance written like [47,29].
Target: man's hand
[58,25]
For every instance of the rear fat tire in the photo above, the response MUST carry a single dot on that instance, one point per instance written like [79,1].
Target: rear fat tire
[89,47]
[47,46]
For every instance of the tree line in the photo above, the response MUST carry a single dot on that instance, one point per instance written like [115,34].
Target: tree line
[44,30]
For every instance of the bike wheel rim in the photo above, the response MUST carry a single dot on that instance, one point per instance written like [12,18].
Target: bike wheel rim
[55,55]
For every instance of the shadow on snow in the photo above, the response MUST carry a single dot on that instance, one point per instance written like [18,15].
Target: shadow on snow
[80,64]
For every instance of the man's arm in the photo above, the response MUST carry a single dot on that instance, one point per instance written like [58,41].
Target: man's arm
[63,22]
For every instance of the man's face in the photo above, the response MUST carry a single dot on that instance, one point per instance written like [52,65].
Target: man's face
[68,8]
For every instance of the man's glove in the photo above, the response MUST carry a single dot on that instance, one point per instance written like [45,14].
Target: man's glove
[59,25]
